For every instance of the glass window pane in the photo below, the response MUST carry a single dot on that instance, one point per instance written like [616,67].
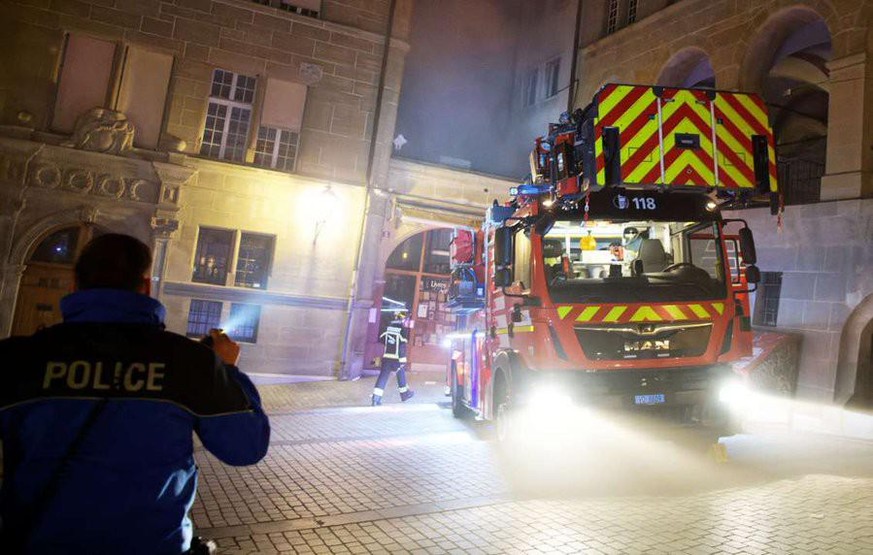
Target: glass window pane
[237,134]
[398,294]
[253,263]
[213,132]
[407,255]
[202,317]
[212,257]
[436,258]
[265,146]
[243,323]
[59,247]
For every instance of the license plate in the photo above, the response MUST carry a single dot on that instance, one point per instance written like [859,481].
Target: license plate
[655,399]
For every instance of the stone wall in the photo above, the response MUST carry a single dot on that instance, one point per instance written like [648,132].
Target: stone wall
[723,29]
[339,57]
[825,254]
[303,308]
[315,214]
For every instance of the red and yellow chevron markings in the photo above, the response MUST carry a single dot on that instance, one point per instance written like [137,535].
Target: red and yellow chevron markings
[622,314]
[636,111]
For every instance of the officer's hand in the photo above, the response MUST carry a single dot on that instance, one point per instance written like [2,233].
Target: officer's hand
[226,348]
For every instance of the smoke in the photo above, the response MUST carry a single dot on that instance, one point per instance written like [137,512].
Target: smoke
[458,84]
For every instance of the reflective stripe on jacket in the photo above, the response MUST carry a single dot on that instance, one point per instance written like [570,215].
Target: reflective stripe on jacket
[394,338]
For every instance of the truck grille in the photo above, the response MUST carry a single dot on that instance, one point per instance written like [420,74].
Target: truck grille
[644,341]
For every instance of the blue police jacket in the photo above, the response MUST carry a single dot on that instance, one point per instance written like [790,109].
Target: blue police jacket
[131,483]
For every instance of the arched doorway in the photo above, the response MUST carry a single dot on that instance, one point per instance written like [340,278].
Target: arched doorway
[48,277]
[787,64]
[416,279]
[854,381]
[690,67]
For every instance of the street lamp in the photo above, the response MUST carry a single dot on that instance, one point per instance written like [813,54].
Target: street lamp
[323,208]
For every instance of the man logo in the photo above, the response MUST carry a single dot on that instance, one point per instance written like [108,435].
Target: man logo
[620,202]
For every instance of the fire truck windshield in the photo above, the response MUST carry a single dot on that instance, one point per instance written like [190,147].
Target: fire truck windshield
[628,261]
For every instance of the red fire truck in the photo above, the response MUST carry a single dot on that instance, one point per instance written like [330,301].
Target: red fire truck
[610,278]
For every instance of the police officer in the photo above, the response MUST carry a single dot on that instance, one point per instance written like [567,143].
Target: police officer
[97,416]
[394,359]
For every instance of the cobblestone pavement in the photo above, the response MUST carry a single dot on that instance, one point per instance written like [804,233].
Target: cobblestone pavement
[343,477]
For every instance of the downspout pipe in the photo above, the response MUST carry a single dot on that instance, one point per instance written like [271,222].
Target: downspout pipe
[368,187]
[571,94]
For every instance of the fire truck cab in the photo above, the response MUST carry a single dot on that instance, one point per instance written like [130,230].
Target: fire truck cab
[610,278]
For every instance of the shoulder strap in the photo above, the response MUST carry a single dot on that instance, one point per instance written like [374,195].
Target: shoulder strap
[37,512]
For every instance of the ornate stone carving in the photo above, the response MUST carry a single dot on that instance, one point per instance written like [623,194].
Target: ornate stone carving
[111,186]
[11,169]
[134,186]
[79,181]
[310,74]
[88,214]
[85,181]
[102,130]
[163,228]
[45,175]
[170,194]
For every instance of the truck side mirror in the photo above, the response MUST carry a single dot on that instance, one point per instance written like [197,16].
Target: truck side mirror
[747,246]
[504,238]
[753,274]
[503,247]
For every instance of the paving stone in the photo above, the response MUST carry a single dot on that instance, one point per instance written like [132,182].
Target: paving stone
[343,477]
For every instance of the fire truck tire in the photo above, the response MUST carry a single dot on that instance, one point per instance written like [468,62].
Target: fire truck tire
[504,423]
[459,410]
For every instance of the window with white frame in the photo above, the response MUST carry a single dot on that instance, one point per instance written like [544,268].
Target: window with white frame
[202,317]
[243,322]
[529,91]
[611,16]
[552,74]
[631,11]
[276,148]
[228,116]
[279,132]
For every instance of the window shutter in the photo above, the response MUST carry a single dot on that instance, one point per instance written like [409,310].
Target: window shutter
[144,92]
[283,105]
[84,79]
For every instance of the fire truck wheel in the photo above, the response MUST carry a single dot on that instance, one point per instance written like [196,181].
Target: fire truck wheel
[505,426]
[458,408]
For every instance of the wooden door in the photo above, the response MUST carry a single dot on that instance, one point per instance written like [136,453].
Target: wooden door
[48,277]
[39,297]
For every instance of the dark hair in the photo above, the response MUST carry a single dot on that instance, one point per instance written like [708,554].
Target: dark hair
[113,261]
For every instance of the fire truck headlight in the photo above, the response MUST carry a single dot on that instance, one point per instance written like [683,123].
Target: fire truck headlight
[733,393]
[549,398]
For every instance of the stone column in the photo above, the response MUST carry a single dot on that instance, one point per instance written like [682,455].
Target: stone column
[162,231]
[10,279]
[174,176]
[849,158]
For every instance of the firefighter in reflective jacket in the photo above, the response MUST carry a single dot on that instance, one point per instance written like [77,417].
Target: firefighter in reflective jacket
[394,359]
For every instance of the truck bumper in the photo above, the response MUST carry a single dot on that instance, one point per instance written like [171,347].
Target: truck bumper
[686,395]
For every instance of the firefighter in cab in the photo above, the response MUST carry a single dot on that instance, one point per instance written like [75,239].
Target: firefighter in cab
[394,359]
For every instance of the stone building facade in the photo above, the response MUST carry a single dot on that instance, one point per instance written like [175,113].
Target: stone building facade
[812,63]
[248,142]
